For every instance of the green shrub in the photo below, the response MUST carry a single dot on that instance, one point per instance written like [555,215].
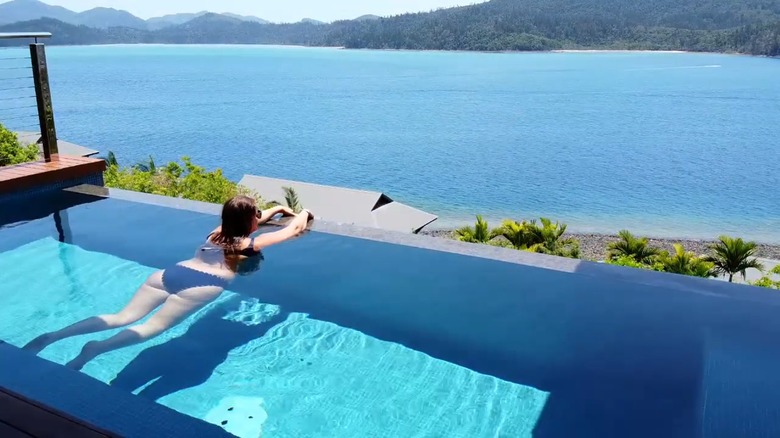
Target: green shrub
[635,247]
[768,281]
[686,263]
[545,237]
[12,152]
[630,262]
[180,180]
[479,233]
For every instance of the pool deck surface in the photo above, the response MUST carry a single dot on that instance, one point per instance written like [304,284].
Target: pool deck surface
[37,173]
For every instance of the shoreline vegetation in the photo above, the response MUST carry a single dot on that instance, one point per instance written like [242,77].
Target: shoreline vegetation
[593,246]
[12,151]
[727,257]
[494,52]
[489,52]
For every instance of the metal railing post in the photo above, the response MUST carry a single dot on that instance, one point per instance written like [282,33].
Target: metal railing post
[43,96]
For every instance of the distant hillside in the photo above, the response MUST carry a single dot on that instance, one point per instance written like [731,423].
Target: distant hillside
[312,21]
[64,33]
[25,10]
[220,29]
[249,18]
[158,23]
[172,20]
[551,24]
[744,26]
[367,17]
[103,18]
[749,26]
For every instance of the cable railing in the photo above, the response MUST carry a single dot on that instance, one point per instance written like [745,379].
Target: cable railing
[25,96]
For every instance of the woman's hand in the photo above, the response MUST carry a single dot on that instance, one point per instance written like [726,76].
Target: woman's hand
[294,228]
[303,218]
[286,211]
[266,215]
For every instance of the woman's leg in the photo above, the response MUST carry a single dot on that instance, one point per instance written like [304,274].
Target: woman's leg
[174,310]
[148,297]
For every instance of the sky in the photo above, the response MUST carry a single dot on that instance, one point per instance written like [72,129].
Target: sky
[273,10]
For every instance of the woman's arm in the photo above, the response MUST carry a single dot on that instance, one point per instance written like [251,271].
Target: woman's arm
[296,227]
[264,216]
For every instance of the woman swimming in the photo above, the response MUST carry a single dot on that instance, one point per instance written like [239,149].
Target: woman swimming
[188,286]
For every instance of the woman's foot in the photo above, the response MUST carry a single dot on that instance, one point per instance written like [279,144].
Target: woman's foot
[38,344]
[87,354]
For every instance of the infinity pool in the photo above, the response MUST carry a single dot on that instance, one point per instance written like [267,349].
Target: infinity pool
[345,337]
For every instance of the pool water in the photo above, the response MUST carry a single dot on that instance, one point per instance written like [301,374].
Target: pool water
[342,336]
[252,367]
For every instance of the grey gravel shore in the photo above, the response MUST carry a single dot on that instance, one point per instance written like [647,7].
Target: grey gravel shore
[594,246]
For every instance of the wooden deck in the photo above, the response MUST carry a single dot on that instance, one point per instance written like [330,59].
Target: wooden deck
[40,173]
[22,418]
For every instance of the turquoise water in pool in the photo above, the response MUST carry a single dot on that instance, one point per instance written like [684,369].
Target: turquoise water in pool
[252,368]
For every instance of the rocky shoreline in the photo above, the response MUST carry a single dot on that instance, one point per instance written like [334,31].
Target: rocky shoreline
[594,246]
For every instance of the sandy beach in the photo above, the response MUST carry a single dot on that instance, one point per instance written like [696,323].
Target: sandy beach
[616,51]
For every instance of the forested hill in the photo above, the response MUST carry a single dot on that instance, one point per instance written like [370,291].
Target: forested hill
[751,26]
[745,26]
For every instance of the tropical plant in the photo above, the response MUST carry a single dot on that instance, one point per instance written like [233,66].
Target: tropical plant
[686,263]
[634,247]
[516,233]
[291,199]
[182,180]
[768,281]
[12,151]
[734,256]
[111,160]
[630,262]
[148,166]
[479,233]
[547,238]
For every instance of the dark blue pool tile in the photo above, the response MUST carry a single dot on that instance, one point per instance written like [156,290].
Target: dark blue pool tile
[95,179]
[94,402]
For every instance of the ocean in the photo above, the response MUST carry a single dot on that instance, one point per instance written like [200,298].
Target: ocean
[664,144]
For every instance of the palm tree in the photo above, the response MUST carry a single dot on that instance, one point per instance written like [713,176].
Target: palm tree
[549,239]
[734,256]
[546,238]
[291,198]
[111,160]
[634,247]
[516,233]
[479,233]
[686,263]
[148,166]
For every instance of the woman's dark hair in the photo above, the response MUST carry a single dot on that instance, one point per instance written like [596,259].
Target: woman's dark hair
[238,218]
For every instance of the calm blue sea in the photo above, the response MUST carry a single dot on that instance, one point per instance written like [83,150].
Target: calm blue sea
[660,143]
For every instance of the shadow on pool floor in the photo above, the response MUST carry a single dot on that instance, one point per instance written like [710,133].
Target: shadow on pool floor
[189,360]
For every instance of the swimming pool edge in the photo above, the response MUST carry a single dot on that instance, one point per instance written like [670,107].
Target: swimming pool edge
[573,266]
[79,398]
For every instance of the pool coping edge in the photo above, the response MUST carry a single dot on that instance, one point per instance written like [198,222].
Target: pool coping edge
[543,261]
